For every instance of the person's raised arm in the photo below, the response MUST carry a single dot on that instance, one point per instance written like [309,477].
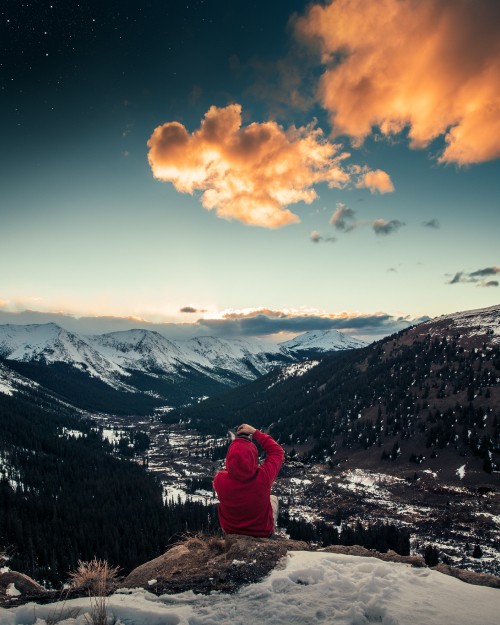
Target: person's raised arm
[274,452]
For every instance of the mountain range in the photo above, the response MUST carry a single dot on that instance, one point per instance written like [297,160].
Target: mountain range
[139,370]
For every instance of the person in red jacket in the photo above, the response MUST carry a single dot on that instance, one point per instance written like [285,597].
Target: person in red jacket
[246,505]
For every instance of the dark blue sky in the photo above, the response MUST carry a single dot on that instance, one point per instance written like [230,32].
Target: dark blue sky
[86,229]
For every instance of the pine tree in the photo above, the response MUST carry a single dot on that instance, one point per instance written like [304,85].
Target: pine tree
[477,552]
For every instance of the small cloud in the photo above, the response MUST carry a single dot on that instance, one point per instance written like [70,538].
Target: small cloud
[457,278]
[377,181]
[189,309]
[317,237]
[344,218]
[432,223]
[381,226]
[476,277]
[392,270]
[487,271]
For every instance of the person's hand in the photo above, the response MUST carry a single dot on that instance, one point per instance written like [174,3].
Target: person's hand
[245,430]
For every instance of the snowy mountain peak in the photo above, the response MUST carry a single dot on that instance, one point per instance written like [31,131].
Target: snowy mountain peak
[247,357]
[49,344]
[323,341]
[139,340]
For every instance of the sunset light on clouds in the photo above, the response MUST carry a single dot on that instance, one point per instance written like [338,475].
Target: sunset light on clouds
[252,173]
[216,167]
[431,66]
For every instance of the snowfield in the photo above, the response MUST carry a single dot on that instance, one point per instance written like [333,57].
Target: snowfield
[312,588]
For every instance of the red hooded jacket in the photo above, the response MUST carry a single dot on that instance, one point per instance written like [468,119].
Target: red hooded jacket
[244,487]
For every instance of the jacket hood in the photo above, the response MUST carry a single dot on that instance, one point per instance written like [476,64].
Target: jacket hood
[242,460]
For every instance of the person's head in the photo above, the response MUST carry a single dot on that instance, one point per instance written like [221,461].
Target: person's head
[242,459]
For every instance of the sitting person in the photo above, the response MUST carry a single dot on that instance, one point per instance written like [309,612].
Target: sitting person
[246,505]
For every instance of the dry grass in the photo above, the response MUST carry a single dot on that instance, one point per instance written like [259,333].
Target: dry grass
[61,614]
[212,544]
[97,577]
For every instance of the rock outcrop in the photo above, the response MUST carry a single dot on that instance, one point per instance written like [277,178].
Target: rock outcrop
[208,563]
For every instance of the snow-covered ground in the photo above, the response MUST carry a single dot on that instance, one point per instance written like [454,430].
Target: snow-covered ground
[10,382]
[294,371]
[312,588]
[475,322]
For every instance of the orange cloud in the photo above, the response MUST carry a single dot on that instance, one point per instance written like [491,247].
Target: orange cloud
[377,181]
[431,66]
[249,173]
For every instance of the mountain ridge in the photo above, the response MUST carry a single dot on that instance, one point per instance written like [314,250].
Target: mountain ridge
[140,362]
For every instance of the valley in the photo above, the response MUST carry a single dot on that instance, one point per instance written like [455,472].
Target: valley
[453,515]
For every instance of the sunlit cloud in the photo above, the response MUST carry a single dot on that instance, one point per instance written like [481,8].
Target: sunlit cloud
[381,226]
[431,67]
[268,322]
[377,181]
[250,173]
[476,277]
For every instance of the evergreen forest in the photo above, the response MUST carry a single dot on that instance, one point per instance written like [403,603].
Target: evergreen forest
[433,391]
[66,498]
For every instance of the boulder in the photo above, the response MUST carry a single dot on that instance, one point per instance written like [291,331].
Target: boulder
[17,587]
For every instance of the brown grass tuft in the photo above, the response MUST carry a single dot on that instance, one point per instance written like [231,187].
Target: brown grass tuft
[97,577]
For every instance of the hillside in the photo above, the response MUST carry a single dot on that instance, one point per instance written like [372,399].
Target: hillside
[430,388]
[67,494]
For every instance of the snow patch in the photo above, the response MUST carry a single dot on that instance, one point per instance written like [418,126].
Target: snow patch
[12,591]
[294,371]
[313,588]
